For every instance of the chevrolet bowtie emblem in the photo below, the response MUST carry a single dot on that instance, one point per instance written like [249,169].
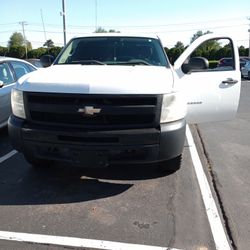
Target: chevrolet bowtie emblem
[89,110]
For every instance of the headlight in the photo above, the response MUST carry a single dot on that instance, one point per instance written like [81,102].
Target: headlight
[17,103]
[173,107]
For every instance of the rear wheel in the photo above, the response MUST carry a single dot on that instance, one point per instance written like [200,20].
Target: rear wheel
[171,165]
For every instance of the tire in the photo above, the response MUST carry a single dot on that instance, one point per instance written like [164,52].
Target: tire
[37,162]
[170,166]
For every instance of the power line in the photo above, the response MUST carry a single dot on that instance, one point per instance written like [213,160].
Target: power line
[204,28]
[8,24]
[156,28]
[135,26]
[175,30]
[6,31]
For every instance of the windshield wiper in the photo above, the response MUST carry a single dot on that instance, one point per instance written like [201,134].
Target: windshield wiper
[134,62]
[88,62]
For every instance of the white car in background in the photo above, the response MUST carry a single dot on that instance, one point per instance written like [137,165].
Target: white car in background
[245,70]
[11,69]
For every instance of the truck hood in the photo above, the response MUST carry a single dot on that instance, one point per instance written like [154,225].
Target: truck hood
[99,79]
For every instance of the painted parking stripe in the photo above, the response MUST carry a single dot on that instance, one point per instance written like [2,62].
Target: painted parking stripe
[7,156]
[219,235]
[75,242]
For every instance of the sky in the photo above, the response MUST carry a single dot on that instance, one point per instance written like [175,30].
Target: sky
[172,21]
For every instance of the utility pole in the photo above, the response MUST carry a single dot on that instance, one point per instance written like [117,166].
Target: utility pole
[96,15]
[249,44]
[64,23]
[249,38]
[24,37]
[44,31]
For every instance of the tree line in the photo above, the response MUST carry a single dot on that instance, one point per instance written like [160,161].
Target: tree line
[20,48]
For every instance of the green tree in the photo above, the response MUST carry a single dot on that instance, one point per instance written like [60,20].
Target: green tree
[37,53]
[175,52]
[225,51]
[54,51]
[166,50]
[16,39]
[198,34]
[179,45]
[29,45]
[102,30]
[49,43]
[207,49]
[16,45]
[113,31]
[17,51]
[243,51]
[3,51]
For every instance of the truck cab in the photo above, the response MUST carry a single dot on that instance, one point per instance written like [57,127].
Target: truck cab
[115,98]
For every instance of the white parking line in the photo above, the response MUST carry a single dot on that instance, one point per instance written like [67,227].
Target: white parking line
[7,156]
[75,242]
[216,225]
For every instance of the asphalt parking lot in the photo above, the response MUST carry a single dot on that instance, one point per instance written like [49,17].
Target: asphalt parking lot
[121,204]
[142,206]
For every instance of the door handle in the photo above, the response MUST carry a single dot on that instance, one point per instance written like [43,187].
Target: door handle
[229,81]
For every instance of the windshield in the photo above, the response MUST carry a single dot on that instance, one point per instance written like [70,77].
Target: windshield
[114,51]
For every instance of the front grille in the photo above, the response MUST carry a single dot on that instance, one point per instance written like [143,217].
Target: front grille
[117,112]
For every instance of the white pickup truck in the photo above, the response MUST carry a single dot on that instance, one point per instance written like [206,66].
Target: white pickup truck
[115,98]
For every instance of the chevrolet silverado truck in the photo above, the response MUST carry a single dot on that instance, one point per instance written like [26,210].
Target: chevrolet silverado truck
[115,98]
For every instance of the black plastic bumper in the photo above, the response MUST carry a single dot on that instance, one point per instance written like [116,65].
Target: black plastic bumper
[98,147]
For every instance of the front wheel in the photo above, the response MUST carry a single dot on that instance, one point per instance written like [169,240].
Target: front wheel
[171,165]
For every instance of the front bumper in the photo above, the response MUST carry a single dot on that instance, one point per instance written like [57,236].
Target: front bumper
[97,148]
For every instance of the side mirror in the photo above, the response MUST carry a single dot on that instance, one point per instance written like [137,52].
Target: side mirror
[1,84]
[47,60]
[195,64]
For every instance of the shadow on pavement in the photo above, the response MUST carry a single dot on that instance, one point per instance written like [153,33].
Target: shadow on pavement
[21,184]
[5,146]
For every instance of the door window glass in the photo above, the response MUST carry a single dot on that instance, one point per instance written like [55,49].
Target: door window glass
[212,55]
[21,68]
[5,74]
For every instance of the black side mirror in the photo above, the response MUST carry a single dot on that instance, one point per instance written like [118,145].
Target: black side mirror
[195,64]
[47,60]
[1,84]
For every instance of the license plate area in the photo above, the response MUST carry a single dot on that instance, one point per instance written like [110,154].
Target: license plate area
[89,158]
